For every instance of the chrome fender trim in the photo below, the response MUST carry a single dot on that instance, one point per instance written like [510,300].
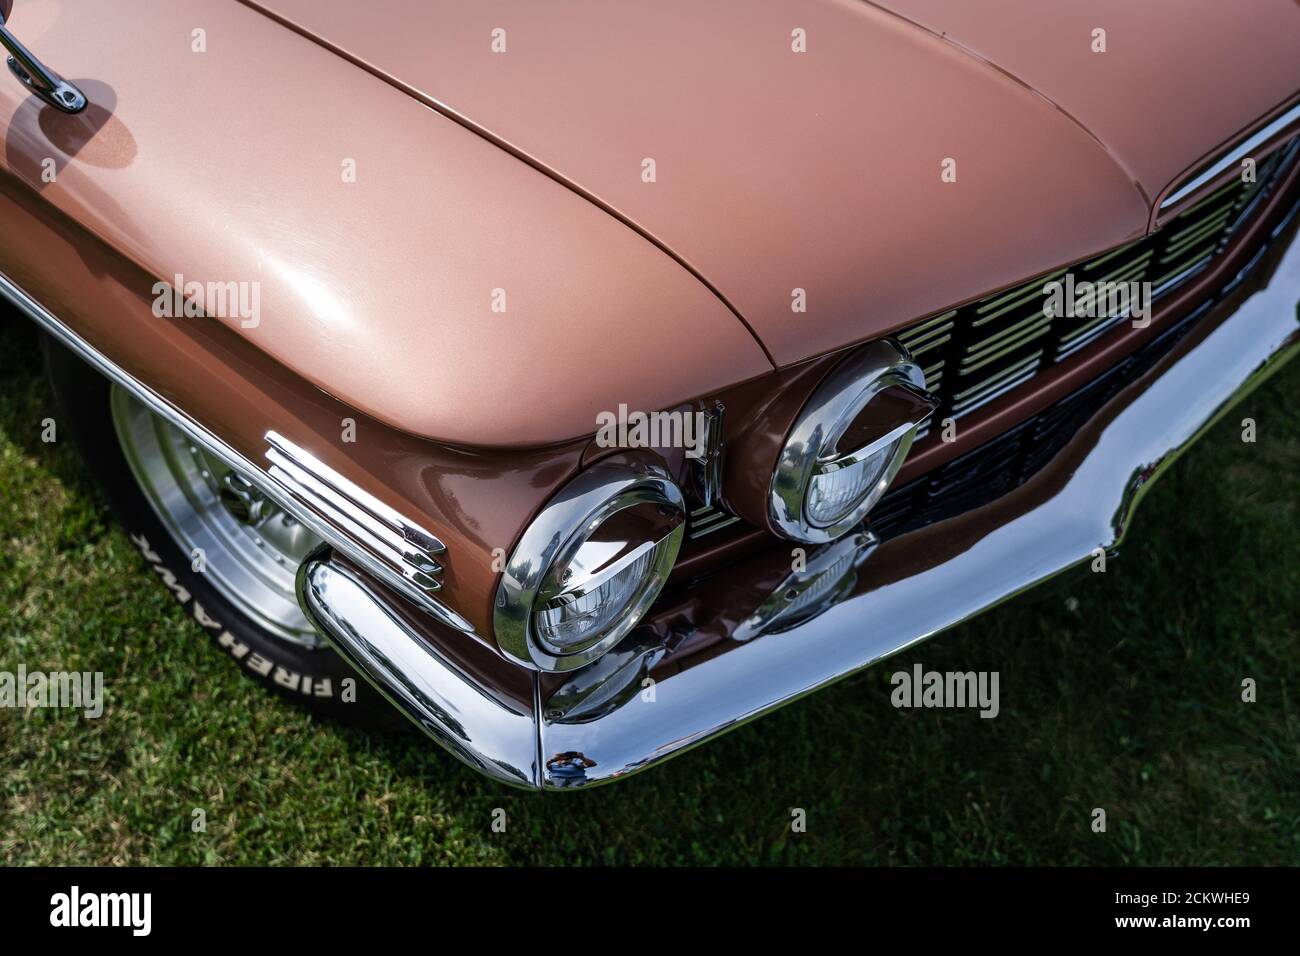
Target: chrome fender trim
[271,485]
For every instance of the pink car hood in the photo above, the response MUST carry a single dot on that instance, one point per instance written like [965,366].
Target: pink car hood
[783,177]
[401,262]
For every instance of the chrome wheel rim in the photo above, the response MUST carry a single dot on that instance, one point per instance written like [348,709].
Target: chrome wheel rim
[250,549]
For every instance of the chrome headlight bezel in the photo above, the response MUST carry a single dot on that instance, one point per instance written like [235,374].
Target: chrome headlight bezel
[810,445]
[555,536]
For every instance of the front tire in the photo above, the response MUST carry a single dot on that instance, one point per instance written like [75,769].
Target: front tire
[226,556]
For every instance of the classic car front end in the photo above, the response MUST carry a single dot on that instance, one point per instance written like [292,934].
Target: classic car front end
[595,382]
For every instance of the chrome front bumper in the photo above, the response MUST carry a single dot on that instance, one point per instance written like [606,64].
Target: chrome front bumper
[908,589]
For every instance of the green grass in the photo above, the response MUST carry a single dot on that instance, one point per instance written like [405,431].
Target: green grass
[1128,700]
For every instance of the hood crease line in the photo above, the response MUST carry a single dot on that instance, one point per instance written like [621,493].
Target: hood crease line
[446,111]
[996,68]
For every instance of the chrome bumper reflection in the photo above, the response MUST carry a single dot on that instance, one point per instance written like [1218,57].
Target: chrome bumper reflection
[911,588]
[825,578]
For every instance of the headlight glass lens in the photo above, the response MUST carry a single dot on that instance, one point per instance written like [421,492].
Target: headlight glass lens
[576,618]
[605,578]
[833,495]
[848,443]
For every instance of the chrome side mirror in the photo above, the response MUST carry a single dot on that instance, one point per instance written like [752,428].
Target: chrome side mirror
[39,78]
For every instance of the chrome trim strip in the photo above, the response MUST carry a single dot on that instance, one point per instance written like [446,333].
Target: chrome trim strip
[919,337]
[1233,156]
[268,485]
[930,345]
[1282,163]
[1167,285]
[973,360]
[357,499]
[383,541]
[1025,292]
[1011,332]
[1088,336]
[977,396]
[1056,521]
[398,542]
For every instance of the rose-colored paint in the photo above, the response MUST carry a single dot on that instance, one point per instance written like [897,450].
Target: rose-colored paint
[777,170]
[229,165]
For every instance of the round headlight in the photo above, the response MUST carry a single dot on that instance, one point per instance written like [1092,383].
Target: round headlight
[589,566]
[848,444]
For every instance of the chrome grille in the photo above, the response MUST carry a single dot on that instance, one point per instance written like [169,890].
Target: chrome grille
[706,520]
[975,354]
[978,353]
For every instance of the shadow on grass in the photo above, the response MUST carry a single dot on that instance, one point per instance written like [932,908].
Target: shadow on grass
[26,400]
